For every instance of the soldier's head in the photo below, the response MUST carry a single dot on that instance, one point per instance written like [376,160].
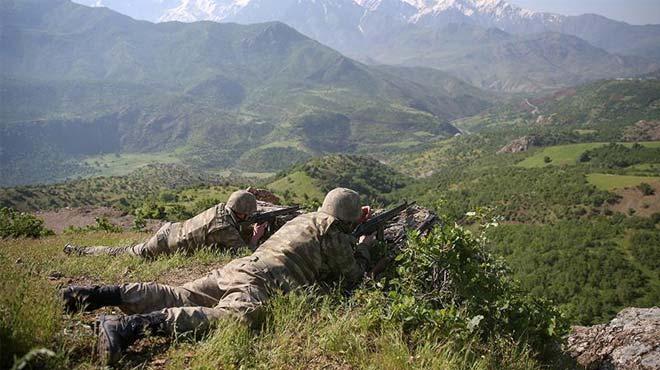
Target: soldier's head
[343,204]
[243,203]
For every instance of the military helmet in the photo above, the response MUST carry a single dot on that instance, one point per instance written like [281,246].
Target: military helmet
[343,204]
[242,201]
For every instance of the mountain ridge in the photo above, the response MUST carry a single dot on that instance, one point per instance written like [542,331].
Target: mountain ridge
[612,35]
[119,85]
[372,31]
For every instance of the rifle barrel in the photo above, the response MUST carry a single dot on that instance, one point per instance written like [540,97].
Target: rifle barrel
[265,216]
[376,222]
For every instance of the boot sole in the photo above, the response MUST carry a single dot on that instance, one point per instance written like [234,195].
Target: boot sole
[108,354]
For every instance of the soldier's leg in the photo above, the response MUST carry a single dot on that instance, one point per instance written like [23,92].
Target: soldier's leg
[98,250]
[245,306]
[148,297]
[117,333]
[156,245]
[244,293]
[144,297]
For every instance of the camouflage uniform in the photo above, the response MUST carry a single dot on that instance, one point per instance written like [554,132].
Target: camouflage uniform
[314,247]
[214,228]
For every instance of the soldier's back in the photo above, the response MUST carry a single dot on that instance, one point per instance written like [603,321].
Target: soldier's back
[293,254]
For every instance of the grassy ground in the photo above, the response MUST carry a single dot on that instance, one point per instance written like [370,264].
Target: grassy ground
[305,331]
[611,182]
[568,154]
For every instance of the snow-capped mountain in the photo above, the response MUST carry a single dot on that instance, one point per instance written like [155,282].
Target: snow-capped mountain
[207,10]
[486,42]
[380,18]
[484,12]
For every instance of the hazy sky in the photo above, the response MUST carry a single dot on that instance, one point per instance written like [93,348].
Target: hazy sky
[631,11]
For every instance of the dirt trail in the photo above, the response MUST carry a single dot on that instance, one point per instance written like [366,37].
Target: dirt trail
[536,109]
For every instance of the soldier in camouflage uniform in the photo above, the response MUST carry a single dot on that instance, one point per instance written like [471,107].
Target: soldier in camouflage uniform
[217,227]
[314,247]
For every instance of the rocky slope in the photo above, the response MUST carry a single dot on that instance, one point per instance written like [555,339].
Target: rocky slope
[631,341]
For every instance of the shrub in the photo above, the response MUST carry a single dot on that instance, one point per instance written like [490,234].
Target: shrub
[448,282]
[646,189]
[14,224]
[102,224]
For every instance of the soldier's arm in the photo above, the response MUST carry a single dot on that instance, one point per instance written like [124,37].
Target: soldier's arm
[344,258]
[233,239]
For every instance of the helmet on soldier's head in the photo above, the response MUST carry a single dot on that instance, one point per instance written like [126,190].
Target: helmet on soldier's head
[343,204]
[242,201]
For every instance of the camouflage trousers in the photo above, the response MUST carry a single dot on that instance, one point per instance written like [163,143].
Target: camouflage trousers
[160,243]
[203,230]
[237,290]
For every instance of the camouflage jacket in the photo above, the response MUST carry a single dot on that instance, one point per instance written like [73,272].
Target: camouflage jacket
[214,228]
[314,247]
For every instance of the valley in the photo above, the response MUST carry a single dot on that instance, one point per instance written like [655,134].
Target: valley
[534,137]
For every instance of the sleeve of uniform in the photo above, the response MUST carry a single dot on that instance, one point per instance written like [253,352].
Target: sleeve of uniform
[343,258]
[231,238]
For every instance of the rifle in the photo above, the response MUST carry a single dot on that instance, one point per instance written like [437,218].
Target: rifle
[425,226]
[385,261]
[376,224]
[261,217]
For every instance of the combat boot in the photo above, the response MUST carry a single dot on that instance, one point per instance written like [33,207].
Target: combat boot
[90,298]
[117,333]
[75,250]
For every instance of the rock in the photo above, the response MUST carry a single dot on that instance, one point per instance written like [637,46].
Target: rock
[410,219]
[631,341]
[643,131]
[264,195]
[518,145]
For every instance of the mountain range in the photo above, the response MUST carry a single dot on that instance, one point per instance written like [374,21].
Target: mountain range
[482,41]
[79,81]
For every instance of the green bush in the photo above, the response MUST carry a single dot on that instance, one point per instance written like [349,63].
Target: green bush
[102,224]
[14,224]
[447,282]
[646,189]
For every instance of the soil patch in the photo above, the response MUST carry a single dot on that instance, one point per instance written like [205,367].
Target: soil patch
[632,198]
[60,219]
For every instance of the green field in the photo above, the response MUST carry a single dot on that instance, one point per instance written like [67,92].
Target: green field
[568,154]
[123,164]
[609,182]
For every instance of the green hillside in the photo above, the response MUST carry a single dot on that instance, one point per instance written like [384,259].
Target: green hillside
[600,110]
[309,182]
[216,95]
[565,222]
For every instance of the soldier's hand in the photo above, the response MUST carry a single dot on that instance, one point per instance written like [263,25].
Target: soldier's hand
[259,231]
[368,240]
[366,214]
